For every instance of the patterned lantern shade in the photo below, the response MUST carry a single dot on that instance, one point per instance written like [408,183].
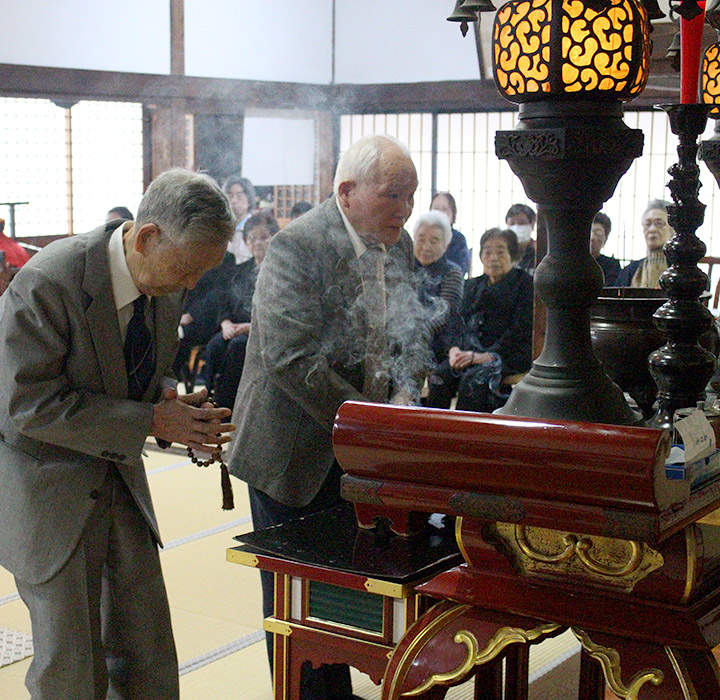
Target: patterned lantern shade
[711,78]
[566,48]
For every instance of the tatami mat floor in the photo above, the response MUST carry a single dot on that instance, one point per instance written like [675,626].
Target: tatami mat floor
[215,605]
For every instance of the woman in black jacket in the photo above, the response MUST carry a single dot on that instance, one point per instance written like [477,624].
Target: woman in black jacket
[493,336]
[225,353]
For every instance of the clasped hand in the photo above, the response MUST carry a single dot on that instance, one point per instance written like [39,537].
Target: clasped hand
[190,420]
[461,359]
[232,330]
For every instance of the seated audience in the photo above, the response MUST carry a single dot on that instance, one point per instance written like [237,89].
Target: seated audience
[15,255]
[457,251]
[599,232]
[241,193]
[225,353]
[657,231]
[199,321]
[493,335]
[521,219]
[119,213]
[299,208]
[439,280]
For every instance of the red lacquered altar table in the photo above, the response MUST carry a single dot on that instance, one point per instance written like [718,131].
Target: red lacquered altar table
[561,525]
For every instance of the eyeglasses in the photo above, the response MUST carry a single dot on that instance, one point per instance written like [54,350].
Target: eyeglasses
[657,223]
[255,238]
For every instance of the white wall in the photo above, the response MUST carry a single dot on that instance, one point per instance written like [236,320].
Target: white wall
[132,35]
[401,41]
[376,41]
[278,148]
[283,40]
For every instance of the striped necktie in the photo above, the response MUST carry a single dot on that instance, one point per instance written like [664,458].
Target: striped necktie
[139,351]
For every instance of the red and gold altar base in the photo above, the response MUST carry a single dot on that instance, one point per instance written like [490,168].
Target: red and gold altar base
[562,525]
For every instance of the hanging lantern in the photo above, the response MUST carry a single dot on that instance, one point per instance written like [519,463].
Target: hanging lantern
[570,48]
[710,74]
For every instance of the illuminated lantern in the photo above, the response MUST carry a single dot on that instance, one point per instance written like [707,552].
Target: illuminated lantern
[569,48]
[711,78]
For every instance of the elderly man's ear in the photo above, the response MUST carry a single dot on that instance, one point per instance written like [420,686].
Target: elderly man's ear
[147,236]
[344,190]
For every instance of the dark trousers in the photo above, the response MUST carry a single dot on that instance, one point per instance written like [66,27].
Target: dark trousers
[224,362]
[330,681]
[473,393]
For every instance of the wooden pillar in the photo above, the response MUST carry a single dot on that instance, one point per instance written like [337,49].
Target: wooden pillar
[168,136]
[177,37]
[166,143]
[328,147]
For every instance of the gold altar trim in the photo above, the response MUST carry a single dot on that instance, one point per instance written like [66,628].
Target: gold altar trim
[607,560]
[285,629]
[691,549]
[387,588]
[458,539]
[682,675]
[275,626]
[245,558]
[501,639]
[610,661]
[419,642]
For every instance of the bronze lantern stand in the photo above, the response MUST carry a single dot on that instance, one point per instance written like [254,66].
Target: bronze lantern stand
[570,65]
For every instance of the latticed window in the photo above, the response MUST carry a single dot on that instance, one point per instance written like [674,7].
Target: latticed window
[69,163]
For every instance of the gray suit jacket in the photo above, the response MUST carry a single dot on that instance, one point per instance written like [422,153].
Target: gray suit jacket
[304,356]
[64,413]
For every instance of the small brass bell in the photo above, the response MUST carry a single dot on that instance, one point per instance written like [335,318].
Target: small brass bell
[478,6]
[462,15]
[673,52]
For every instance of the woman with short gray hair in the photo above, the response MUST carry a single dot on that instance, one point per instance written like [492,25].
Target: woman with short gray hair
[439,281]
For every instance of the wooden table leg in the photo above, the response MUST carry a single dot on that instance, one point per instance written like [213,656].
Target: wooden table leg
[489,681]
[592,681]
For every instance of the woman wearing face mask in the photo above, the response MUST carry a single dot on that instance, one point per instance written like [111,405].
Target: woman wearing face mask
[657,231]
[493,335]
[520,219]
[457,251]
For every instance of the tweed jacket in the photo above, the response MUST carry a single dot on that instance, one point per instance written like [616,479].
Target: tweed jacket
[65,418]
[304,357]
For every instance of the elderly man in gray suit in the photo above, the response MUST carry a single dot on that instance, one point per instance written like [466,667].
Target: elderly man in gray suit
[88,333]
[335,318]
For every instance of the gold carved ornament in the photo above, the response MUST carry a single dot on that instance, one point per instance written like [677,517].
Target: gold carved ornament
[620,563]
[473,654]
[610,661]
[600,52]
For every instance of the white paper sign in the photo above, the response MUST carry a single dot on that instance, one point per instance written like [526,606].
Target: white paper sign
[698,436]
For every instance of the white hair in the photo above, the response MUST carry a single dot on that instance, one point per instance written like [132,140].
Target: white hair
[360,162]
[656,204]
[435,219]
